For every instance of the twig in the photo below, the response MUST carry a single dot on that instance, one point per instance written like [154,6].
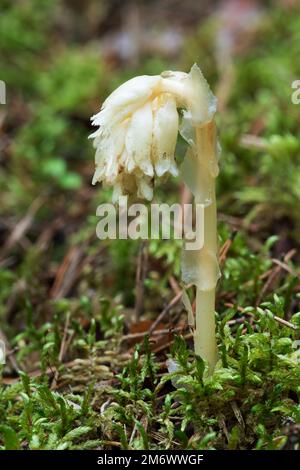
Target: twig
[17,290]
[275,272]
[174,285]
[22,226]
[142,265]
[285,323]
[276,318]
[286,268]
[67,272]
[252,141]
[62,350]
[226,247]
[273,275]
[142,334]
[237,222]
[167,345]
[173,302]
[36,373]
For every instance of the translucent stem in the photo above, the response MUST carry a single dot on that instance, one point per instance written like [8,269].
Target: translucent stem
[204,336]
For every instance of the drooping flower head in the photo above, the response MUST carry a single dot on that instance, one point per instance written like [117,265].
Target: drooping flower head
[138,127]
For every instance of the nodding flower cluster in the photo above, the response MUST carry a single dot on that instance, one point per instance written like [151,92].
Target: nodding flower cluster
[138,128]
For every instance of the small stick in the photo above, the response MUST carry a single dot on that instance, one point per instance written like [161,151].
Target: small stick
[167,345]
[154,333]
[285,323]
[286,268]
[276,318]
[174,284]
[66,273]
[274,273]
[22,226]
[226,247]
[252,141]
[173,302]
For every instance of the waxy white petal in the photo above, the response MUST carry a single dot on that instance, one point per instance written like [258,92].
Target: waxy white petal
[139,139]
[145,189]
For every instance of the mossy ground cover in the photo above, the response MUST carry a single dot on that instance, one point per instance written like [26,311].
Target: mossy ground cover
[82,372]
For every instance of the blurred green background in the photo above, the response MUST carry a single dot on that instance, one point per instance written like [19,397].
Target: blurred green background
[61,58]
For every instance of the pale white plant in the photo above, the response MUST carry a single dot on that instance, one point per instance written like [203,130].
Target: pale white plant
[135,142]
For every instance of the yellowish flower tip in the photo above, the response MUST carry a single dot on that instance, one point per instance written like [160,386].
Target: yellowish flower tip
[138,128]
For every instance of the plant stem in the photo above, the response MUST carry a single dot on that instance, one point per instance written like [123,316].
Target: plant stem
[204,336]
